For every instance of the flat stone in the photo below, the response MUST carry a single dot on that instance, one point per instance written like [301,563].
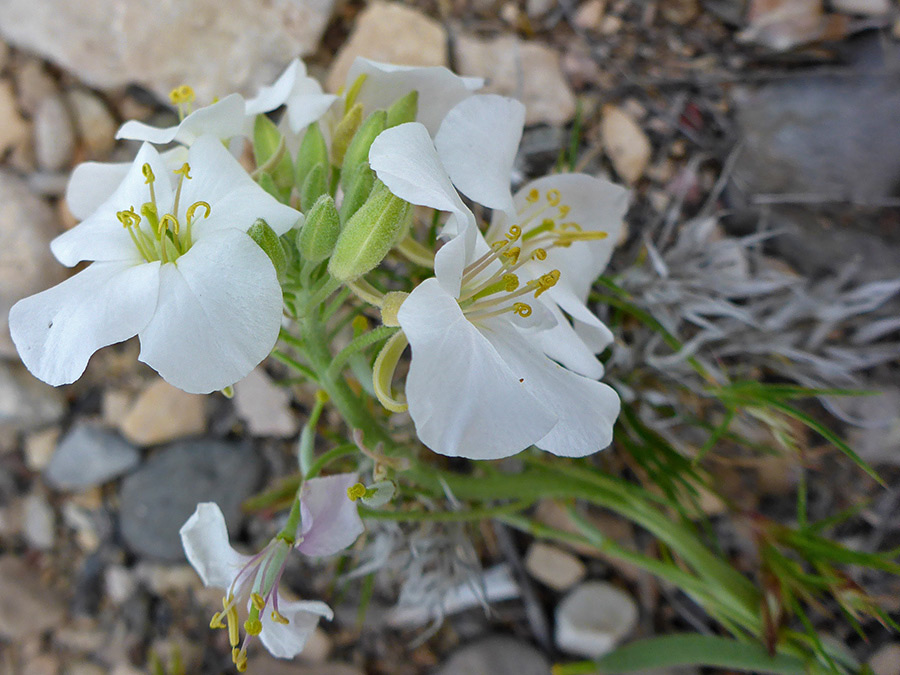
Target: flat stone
[553,566]
[27,403]
[163,413]
[88,456]
[526,70]
[94,123]
[42,665]
[394,33]
[39,448]
[27,606]
[862,7]
[13,127]
[158,498]
[264,406]
[589,15]
[39,522]
[593,618]
[54,134]
[113,43]
[497,655]
[625,143]
[33,83]
[886,661]
[27,225]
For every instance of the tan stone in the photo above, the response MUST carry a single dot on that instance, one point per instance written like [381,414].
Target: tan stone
[589,15]
[27,607]
[39,447]
[163,413]
[558,569]
[264,406]
[13,127]
[94,123]
[886,661]
[391,32]
[625,143]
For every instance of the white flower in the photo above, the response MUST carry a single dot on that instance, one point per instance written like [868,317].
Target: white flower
[330,523]
[172,264]
[301,94]
[479,384]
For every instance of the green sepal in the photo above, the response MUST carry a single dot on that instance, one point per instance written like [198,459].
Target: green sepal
[267,142]
[403,110]
[316,239]
[358,151]
[315,185]
[267,183]
[344,133]
[369,235]
[358,190]
[353,91]
[313,151]
[268,241]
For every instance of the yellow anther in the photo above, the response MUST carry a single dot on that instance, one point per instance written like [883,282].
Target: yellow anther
[239,657]
[182,94]
[149,177]
[514,233]
[497,245]
[128,218]
[539,254]
[278,617]
[522,309]
[546,282]
[253,626]
[570,226]
[257,600]
[196,205]
[512,254]
[216,621]
[231,614]
[185,171]
[564,210]
[512,282]
[168,221]
[553,197]
[533,196]
[356,491]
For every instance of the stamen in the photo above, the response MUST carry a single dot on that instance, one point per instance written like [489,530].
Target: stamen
[553,197]
[539,254]
[546,282]
[533,196]
[278,617]
[564,210]
[193,207]
[149,179]
[257,600]
[357,491]
[168,222]
[216,621]
[239,657]
[182,97]
[128,218]
[522,309]
[253,626]
[231,615]
[512,254]
[513,233]
[183,172]
[546,225]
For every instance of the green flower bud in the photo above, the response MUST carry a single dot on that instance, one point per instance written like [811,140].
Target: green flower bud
[313,151]
[269,152]
[267,183]
[369,235]
[315,185]
[269,242]
[320,231]
[358,150]
[403,110]
[353,91]
[344,132]
[358,190]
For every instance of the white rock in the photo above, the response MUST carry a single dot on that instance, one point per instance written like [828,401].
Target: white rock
[264,406]
[13,127]
[554,567]
[164,413]
[94,123]
[161,45]
[626,144]
[120,583]
[33,83]
[39,522]
[593,618]
[54,135]
[886,661]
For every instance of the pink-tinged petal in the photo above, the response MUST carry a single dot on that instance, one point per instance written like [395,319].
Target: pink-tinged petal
[331,520]
[477,142]
[204,538]
[464,399]
[586,410]
[101,236]
[439,88]
[285,641]
[235,199]
[223,119]
[58,330]
[218,314]
[563,343]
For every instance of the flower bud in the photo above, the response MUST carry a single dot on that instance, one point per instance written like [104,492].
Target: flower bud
[358,189]
[315,185]
[269,151]
[344,132]
[267,183]
[320,230]
[358,150]
[269,242]
[313,151]
[403,110]
[369,235]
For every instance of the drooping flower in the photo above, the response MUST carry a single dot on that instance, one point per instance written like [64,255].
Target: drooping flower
[172,263]
[330,523]
[302,95]
[479,383]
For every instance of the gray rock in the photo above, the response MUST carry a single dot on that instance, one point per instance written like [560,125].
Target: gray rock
[27,224]
[54,134]
[157,499]
[112,43]
[27,403]
[497,655]
[39,522]
[88,456]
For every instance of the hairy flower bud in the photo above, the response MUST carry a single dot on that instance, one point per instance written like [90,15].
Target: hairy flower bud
[344,133]
[313,151]
[403,110]
[270,243]
[269,152]
[358,151]
[357,191]
[314,186]
[319,233]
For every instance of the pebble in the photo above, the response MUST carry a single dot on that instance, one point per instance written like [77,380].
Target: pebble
[264,406]
[163,413]
[496,655]
[625,143]
[39,522]
[120,583]
[27,606]
[863,7]
[680,12]
[159,497]
[54,134]
[394,33]
[161,579]
[88,456]
[85,523]
[27,225]
[886,661]
[26,403]
[502,60]
[593,618]
[39,448]
[42,665]
[590,15]
[558,569]
[13,127]
[33,83]
[535,9]
[95,125]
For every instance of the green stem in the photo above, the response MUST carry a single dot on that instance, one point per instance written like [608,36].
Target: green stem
[289,531]
[358,344]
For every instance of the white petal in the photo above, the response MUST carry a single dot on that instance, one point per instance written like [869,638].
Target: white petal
[218,315]
[139,131]
[477,143]
[101,235]
[204,538]
[465,401]
[271,97]
[439,89]
[563,343]
[223,119]
[331,519]
[236,201]
[58,330]
[308,105]
[285,641]
[586,409]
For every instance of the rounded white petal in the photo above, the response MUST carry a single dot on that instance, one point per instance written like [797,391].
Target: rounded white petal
[271,97]
[331,518]
[91,184]
[204,538]
[101,236]
[563,343]
[58,330]
[134,130]
[439,88]
[235,200]
[464,399]
[285,641]
[218,314]
[586,410]
[477,142]
[308,105]
[223,119]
